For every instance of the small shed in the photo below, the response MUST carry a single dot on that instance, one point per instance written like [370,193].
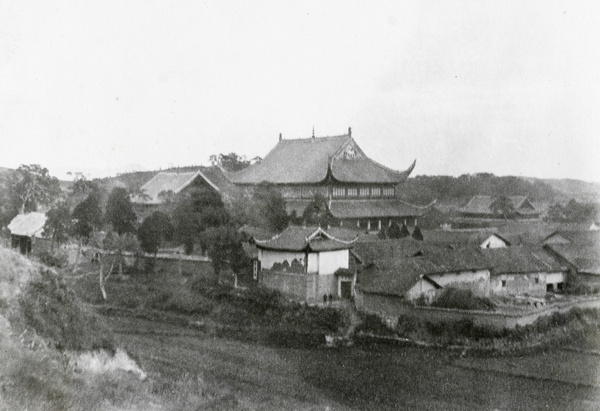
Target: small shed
[26,230]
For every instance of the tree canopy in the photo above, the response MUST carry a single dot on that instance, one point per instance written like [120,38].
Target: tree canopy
[317,212]
[224,246]
[32,185]
[155,229]
[87,216]
[58,223]
[196,211]
[119,211]
[233,161]
[266,209]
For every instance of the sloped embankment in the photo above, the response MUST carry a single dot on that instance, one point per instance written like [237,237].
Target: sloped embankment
[46,340]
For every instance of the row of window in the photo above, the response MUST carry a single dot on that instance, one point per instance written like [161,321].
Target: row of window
[363,192]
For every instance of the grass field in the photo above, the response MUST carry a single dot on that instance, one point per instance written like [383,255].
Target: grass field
[206,347]
[254,376]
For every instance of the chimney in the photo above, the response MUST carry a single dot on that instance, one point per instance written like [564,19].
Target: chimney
[279,136]
[313,136]
[350,131]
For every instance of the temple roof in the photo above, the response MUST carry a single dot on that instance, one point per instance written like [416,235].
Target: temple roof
[296,238]
[309,160]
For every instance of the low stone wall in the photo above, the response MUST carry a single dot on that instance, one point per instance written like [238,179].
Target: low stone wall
[390,308]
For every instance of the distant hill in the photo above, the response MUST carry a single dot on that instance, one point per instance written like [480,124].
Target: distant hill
[456,190]
[581,191]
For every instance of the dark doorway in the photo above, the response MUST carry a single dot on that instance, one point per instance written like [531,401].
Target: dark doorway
[346,289]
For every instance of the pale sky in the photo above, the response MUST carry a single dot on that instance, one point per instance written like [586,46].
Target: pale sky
[507,87]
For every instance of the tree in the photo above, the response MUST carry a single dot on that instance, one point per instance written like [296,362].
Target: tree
[196,211]
[267,209]
[58,223]
[119,211]
[155,229]
[87,217]
[108,245]
[232,161]
[503,205]
[32,185]
[224,246]
[317,212]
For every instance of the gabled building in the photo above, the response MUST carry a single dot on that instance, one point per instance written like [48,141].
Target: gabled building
[482,208]
[304,261]
[361,192]
[26,232]
[165,184]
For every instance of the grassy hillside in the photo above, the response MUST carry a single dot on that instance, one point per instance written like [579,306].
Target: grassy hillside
[46,333]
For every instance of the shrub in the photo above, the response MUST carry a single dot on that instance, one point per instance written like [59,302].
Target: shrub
[53,258]
[462,299]
[372,323]
[54,312]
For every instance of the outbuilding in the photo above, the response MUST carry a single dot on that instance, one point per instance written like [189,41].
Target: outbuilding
[26,232]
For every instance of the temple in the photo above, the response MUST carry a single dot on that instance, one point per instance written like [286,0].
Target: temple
[361,192]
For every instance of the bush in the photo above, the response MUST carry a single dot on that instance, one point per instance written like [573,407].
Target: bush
[54,312]
[53,258]
[462,299]
[372,323]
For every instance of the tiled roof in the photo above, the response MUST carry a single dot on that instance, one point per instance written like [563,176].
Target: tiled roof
[296,238]
[375,209]
[395,271]
[577,237]
[30,224]
[308,160]
[372,208]
[457,237]
[520,260]
[586,258]
[389,249]
[397,276]
[165,181]
[482,205]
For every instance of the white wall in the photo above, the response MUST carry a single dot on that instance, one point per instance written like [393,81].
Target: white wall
[330,261]
[323,263]
[478,281]
[493,242]
[269,257]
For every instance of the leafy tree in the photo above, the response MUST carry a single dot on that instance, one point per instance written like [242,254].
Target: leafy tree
[267,208]
[317,212]
[195,212]
[224,246]
[58,223]
[232,161]
[31,185]
[155,229]
[87,216]
[503,205]
[119,211]
[109,248]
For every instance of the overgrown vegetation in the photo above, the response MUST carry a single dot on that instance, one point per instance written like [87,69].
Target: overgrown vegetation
[462,299]
[51,308]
